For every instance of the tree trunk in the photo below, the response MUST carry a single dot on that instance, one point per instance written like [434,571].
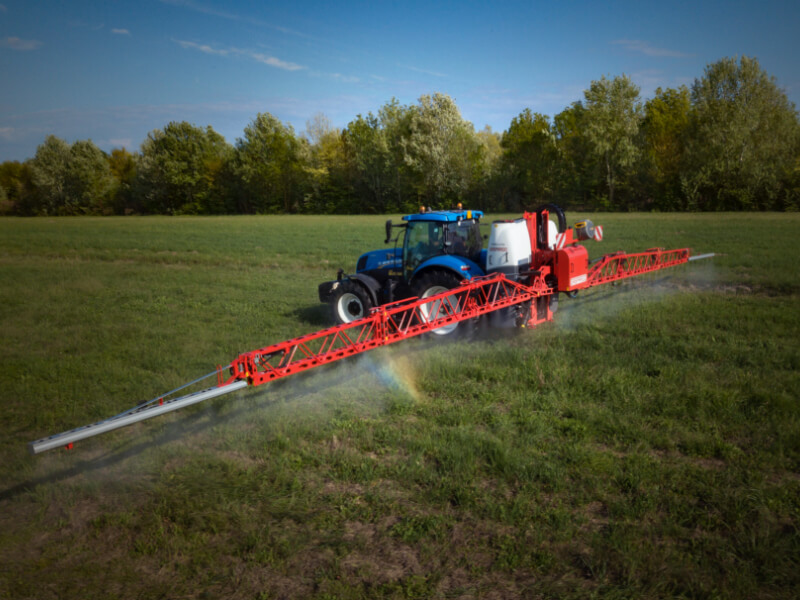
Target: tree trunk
[610,179]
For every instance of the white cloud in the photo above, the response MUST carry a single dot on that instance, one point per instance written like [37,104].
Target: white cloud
[121,31]
[3,8]
[213,12]
[272,61]
[645,48]
[16,43]
[339,77]
[202,9]
[202,48]
[6,133]
[256,56]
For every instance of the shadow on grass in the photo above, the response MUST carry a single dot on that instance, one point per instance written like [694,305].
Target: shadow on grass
[318,315]
[287,390]
[109,459]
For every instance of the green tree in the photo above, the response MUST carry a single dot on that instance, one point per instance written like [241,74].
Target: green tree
[49,168]
[71,179]
[489,189]
[578,174]
[530,158]
[329,184]
[613,115]
[16,179]
[395,124]
[123,167]
[179,170]
[491,141]
[791,199]
[270,166]
[664,130]
[743,139]
[441,149]
[88,182]
[318,127]
[367,151]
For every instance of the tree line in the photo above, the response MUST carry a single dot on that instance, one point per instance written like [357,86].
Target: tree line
[731,141]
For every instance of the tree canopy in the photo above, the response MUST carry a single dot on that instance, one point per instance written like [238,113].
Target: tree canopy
[268,165]
[742,140]
[730,141]
[611,125]
[178,168]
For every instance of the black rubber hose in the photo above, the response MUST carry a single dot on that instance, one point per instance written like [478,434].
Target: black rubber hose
[541,227]
[562,220]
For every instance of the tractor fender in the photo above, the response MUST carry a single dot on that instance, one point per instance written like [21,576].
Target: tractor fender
[368,283]
[451,263]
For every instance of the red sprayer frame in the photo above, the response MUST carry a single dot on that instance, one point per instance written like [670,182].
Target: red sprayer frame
[386,325]
[398,321]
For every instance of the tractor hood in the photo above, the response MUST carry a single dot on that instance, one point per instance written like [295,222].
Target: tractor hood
[388,258]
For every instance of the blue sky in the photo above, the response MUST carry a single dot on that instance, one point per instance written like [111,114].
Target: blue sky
[113,71]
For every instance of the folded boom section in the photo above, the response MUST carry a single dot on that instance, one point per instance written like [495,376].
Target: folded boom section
[614,267]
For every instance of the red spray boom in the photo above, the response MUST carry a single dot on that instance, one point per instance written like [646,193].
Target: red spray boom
[530,299]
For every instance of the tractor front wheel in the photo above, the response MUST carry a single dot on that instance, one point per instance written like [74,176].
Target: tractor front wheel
[350,302]
[431,284]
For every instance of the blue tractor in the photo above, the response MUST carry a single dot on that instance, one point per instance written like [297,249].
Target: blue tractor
[439,249]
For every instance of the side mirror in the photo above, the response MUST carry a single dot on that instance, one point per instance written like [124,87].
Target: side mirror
[388,231]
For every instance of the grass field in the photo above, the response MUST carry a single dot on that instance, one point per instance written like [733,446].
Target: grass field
[644,445]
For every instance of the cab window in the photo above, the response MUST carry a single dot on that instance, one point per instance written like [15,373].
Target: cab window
[424,239]
[464,239]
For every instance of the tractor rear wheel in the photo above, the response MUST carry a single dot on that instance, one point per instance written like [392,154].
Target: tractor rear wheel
[350,302]
[431,284]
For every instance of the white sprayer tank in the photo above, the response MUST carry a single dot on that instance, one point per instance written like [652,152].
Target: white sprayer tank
[509,250]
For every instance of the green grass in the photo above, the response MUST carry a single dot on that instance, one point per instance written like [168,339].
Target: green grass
[644,445]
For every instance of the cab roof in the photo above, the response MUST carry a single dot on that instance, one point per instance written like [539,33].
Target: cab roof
[444,216]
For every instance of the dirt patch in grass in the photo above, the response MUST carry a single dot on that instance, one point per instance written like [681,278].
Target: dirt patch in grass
[596,515]
[609,450]
[242,460]
[344,488]
[380,559]
[714,464]
[62,538]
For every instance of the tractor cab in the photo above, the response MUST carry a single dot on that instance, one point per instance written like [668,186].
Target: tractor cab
[431,234]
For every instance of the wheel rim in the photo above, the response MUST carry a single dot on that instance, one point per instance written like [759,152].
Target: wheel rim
[431,310]
[349,307]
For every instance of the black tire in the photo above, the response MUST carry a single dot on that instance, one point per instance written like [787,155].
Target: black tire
[430,284]
[349,302]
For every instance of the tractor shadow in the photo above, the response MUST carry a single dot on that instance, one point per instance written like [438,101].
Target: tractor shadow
[318,315]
